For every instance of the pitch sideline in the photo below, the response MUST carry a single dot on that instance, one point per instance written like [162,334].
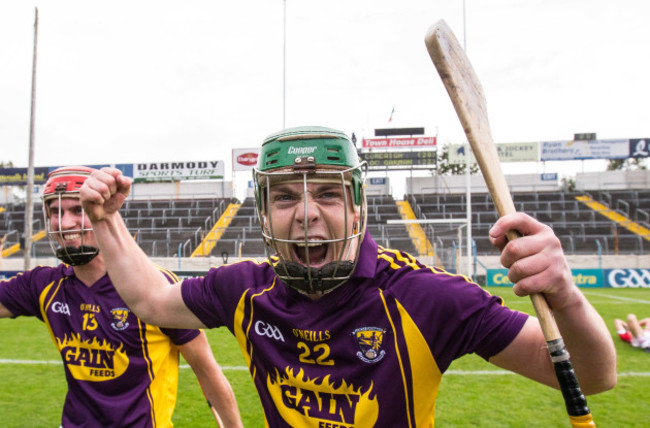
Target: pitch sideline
[243,368]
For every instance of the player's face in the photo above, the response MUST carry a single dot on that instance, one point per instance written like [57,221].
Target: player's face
[72,228]
[322,212]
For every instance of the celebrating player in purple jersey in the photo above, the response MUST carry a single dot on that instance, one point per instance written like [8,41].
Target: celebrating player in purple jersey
[336,330]
[121,371]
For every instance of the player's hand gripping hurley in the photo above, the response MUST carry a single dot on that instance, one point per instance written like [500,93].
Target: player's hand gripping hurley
[467,96]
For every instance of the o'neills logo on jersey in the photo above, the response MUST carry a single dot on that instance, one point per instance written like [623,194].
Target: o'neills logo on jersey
[301,150]
[369,340]
[304,402]
[92,360]
[248,159]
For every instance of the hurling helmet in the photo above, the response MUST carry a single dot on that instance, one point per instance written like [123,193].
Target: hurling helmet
[62,183]
[306,155]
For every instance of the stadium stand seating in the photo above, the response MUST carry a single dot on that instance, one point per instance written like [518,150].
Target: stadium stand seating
[395,236]
[171,227]
[581,229]
[12,228]
[243,233]
[175,227]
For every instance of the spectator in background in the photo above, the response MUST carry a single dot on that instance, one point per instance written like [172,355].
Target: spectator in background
[120,370]
[634,332]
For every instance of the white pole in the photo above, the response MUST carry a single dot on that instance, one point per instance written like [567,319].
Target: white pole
[284,64]
[29,213]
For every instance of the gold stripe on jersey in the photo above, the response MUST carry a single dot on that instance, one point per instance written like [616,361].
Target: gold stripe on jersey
[43,308]
[169,273]
[149,373]
[424,369]
[399,359]
[392,256]
[162,358]
[410,261]
[240,313]
[242,336]
[425,374]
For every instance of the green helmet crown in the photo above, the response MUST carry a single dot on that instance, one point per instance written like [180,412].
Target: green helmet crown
[306,147]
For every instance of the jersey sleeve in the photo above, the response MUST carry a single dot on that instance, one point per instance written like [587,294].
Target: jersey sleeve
[180,336]
[205,297]
[458,317]
[215,298]
[19,294]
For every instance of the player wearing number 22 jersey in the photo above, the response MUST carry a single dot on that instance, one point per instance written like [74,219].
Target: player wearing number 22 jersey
[112,360]
[337,361]
[336,330]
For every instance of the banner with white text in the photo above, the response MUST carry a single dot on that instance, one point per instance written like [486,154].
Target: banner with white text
[398,142]
[508,152]
[178,171]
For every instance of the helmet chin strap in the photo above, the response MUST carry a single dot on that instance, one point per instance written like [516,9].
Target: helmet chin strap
[76,256]
[308,280]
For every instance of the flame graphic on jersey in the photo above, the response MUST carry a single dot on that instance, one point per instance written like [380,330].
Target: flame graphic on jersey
[92,360]
[312,402]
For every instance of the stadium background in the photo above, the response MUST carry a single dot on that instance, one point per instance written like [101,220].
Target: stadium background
[608,256]
[32,391]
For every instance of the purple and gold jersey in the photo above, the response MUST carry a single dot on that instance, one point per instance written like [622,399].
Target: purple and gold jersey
[120,371]
[370,353]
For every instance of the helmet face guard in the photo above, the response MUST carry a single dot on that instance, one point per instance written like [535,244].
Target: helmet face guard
[300,157]
[65,183]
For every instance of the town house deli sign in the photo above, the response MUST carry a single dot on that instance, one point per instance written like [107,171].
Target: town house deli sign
[178,171]
[400,142]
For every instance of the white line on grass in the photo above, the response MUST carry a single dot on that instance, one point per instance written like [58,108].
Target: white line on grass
[610,296]
[623,300]
[242,368]
[33,362]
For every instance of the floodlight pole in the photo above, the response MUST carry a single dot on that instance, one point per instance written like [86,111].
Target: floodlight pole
[29,212]
[284,64]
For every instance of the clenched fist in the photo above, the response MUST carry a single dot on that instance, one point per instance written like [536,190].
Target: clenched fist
[104,192]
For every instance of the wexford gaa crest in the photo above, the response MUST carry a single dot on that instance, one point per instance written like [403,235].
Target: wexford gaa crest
[369,340]
[119,318]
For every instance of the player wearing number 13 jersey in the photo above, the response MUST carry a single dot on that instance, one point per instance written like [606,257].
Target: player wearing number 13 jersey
[120,370]
[337,331]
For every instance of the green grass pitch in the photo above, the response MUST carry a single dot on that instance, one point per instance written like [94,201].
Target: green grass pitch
[473,393]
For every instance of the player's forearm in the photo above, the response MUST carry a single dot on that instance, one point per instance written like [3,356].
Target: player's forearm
[224,405]
[590,345]
[215,385]
[133,275]
[4,312]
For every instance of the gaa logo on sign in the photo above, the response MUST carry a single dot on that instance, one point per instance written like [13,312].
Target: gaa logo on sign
[628,278]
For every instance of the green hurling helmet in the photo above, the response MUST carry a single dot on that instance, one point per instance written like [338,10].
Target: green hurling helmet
[306,156]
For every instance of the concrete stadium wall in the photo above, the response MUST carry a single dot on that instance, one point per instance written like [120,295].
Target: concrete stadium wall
[612,180]
[198,189]
[458,184]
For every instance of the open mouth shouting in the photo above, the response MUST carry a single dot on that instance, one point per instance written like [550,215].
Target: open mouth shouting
[313,253]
